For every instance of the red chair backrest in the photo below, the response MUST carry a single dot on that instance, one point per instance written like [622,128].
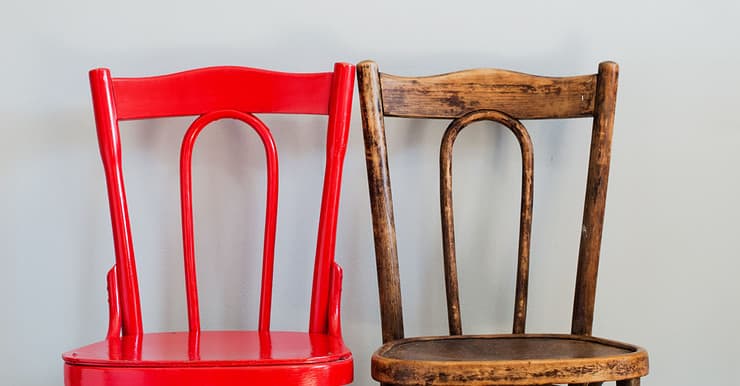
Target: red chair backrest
[215,93]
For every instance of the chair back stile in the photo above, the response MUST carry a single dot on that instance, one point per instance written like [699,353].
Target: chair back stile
[213,94]
[336,148]
[381,202]
[109,140]
[605,102]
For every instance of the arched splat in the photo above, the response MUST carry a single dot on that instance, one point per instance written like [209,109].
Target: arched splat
[186,155]
[448,228]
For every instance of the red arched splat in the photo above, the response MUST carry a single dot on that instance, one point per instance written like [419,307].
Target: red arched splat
[186,194]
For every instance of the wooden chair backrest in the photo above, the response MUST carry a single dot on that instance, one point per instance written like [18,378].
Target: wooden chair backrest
[466,97]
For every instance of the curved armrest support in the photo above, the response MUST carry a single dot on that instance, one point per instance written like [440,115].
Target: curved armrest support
[114,315]
[335,300]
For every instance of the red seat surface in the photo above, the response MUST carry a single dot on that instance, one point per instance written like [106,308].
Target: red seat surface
[227,358]
[215,348]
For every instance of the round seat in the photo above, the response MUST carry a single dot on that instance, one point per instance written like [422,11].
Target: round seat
[518,359]
[224,358]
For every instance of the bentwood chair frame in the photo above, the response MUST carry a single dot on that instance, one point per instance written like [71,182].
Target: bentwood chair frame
[129,356]
[517,359]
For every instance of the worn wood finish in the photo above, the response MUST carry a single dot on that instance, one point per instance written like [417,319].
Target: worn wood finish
[517,359]
[448,227]
[504,347]
[505,97]
[522,96]
[595,202]
[381,202]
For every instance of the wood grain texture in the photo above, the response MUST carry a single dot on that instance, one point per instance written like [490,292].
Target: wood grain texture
[516,359]
[520,95]
[448,226]
[381,202]
[595,202]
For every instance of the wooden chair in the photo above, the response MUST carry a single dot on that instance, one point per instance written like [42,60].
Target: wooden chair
[128,356]
[512,359]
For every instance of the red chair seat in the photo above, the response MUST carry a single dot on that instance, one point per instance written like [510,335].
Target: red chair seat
[239,355]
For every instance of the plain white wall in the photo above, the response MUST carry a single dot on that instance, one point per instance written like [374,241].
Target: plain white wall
[669,262]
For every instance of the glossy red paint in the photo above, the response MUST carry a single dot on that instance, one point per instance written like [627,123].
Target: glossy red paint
[335,297]
[114,316]
[129,356]
[186,189]
[224,358]
[212,349]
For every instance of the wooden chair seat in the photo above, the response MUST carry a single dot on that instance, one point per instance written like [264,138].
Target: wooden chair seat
[511,359]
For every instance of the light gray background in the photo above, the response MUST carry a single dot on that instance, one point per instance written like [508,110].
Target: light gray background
[669,263]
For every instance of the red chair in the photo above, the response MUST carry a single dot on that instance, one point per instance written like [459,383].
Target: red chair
[128,356]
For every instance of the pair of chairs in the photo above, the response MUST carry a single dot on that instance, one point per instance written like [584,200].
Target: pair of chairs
[319,356]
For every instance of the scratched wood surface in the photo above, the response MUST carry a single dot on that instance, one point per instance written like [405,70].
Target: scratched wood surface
[540,359]
[522,96]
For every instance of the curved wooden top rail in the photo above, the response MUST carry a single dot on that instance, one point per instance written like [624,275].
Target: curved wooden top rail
[195,92]
[520,95]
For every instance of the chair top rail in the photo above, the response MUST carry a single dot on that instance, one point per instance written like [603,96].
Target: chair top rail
[520,95]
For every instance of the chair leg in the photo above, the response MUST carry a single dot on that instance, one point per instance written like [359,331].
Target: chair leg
[629,382]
